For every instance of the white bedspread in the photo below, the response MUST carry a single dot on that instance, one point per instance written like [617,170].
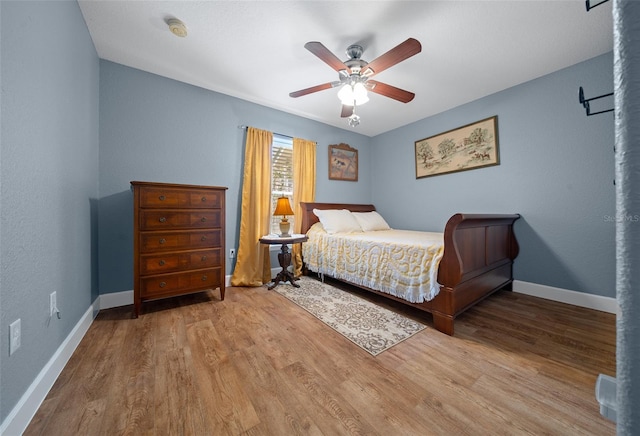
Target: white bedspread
[402,263]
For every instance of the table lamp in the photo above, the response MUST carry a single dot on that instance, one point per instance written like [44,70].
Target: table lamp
[283,208]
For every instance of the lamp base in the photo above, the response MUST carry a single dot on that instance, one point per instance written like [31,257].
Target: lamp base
[285,226]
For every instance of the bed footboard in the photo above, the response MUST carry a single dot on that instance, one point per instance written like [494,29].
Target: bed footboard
[478,260]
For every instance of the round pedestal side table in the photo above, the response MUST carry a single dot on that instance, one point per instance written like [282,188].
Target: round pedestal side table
[284,257]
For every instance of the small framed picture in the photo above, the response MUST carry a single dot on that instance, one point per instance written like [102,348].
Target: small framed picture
[343,163]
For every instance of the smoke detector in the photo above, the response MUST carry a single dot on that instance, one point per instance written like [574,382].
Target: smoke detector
[177,27]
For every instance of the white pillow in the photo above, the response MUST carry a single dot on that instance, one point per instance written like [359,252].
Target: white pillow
[337,221]
[370,221]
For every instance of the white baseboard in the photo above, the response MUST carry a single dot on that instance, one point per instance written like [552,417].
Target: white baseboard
[21,415]
[116,299]
[581,299]
[125,298]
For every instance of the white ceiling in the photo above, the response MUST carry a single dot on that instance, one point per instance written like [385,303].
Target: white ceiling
[254,50]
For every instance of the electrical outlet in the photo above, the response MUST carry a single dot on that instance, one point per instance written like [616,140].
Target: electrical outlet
[232,253]
[53,303]
[14,336]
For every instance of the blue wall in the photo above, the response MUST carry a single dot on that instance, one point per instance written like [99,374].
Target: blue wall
[556,170]
[49,131]
[156,129]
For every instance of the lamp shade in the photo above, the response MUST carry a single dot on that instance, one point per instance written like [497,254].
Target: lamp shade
[283,207]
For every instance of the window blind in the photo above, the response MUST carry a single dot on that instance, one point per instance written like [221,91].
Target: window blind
[281,176]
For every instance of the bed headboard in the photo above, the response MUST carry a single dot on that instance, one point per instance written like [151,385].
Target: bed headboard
[309,218]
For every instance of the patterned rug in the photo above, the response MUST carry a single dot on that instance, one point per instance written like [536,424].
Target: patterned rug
[371,327]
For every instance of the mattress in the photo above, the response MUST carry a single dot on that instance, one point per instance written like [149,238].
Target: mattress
[403,263]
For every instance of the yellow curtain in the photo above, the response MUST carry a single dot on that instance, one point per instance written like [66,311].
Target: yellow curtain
[253,265]
[304,189]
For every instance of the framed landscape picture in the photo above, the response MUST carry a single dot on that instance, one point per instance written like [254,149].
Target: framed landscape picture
[464,148]
[343,163]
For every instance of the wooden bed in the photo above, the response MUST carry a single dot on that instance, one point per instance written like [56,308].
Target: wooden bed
[479,250]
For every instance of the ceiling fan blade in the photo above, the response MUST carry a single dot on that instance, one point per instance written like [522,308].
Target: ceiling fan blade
[396,55]
[311,90]
[390,91]
[347,111]
[326,56]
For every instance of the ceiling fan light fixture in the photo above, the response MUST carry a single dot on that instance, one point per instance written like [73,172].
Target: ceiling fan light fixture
[360,93]
[357,93]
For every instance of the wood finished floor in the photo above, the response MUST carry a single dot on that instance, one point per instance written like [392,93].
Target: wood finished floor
[257,364]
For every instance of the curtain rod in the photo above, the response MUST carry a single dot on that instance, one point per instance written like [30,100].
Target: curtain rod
[243,127]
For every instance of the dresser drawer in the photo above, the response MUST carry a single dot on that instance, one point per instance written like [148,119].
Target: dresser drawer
[180,261]
[171,284]
[178,240]
[160,197]
[152,219]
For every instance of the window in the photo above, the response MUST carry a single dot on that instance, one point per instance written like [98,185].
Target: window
[281,176]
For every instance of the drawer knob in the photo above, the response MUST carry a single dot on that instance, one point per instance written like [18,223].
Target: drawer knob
[204,278]
[163,284]
[162,240]
[162,220]
[204,238]
[203,219]
[203,258]
[162,198]
[204,199]
[161,263]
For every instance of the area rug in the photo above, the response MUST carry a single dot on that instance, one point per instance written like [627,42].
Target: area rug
[371,327]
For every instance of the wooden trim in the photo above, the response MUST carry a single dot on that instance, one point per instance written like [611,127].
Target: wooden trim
[176,185]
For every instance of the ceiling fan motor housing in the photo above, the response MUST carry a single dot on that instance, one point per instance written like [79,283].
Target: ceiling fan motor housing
[354,63]
[355,51]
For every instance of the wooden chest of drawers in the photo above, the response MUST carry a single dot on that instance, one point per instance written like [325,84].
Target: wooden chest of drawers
[178,240]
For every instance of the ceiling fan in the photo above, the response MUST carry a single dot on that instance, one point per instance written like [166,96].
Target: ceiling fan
[355,75]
